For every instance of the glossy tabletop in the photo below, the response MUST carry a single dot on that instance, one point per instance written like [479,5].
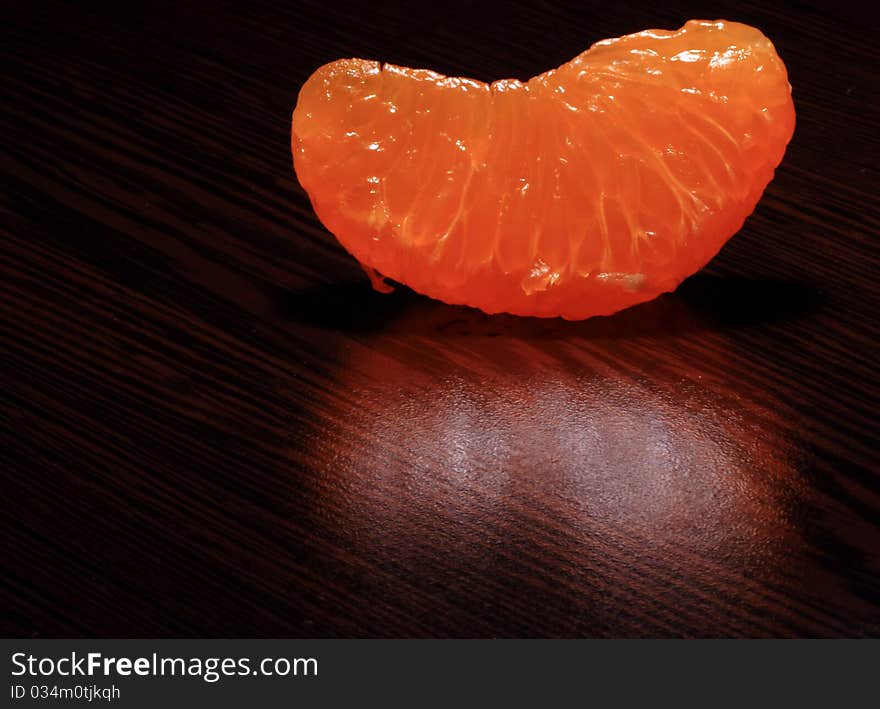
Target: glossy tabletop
[210,425]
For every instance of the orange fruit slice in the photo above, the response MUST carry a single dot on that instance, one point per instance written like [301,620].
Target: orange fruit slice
[587,189]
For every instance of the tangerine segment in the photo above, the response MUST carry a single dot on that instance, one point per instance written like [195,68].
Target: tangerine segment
[587,189]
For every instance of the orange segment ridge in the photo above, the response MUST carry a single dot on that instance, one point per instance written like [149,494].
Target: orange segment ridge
[587,189]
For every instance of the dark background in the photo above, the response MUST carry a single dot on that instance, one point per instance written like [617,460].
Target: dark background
[211,426]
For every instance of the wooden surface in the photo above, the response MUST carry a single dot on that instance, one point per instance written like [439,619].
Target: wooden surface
[211,426]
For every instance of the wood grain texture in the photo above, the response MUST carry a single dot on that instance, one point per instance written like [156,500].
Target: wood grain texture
[211,426]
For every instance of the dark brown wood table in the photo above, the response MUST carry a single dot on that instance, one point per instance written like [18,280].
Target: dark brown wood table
[211,426]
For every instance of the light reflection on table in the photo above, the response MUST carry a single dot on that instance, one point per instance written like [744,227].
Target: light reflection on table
[573,472]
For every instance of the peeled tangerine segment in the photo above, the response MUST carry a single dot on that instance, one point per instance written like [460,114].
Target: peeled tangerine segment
[585,190]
